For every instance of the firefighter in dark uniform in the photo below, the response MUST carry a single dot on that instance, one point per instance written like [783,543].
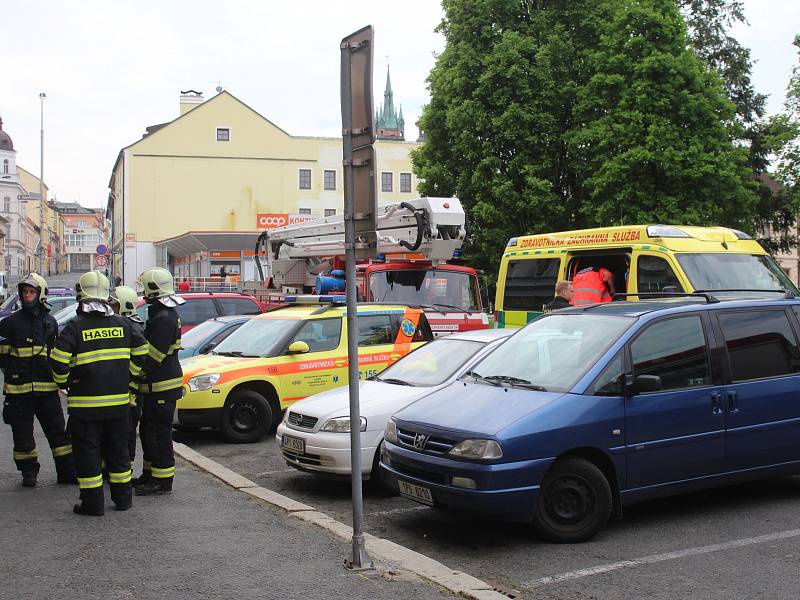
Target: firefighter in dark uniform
[93,359]
[123,300]
[29,387]
[161,382]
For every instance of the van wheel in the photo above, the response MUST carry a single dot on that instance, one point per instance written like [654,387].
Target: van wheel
[247,416]
[574,502]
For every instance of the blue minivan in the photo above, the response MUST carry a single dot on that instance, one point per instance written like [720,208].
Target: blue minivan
[587,410]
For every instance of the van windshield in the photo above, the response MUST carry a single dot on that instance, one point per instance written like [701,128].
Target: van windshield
[552,353]
[721,271]
[442,289]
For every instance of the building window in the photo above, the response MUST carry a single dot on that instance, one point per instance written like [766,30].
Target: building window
[405,183]
[223,134]
[330,180]
[6,204]
[5,165]
[305,179]
[386,181]
[304,211]
[330,212]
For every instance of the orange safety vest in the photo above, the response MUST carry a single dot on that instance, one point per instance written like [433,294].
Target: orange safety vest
[590,287]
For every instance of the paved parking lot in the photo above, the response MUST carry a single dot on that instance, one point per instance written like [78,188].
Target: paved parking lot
[738,541]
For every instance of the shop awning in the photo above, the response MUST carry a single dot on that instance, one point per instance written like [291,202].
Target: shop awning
[206,241]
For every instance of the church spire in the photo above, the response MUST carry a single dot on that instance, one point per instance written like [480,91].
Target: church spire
[388,122]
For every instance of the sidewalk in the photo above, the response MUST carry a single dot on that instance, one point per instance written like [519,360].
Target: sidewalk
[206,540]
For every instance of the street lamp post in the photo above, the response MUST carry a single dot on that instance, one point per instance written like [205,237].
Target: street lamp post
[42,96]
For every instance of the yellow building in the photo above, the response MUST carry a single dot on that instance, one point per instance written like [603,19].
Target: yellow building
[193,193]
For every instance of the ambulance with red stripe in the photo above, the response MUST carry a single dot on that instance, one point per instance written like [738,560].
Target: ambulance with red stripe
[286,354]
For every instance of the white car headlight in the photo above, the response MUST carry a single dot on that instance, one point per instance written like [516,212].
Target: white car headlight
[477,449]
[390,434]
[203,382]
[342,425]
[285,418]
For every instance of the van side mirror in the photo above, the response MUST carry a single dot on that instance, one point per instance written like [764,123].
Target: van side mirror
[641,384]
[298,348]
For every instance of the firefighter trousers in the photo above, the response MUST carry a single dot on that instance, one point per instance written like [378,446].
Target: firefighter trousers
[155,432]
[90,440]
[19,411]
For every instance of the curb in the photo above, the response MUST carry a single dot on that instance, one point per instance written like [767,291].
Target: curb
[385,551]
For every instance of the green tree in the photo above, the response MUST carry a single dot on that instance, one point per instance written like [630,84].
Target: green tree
[654,135]
[516,127]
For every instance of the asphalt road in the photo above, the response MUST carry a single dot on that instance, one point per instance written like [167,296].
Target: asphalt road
[741,541]
[206,540]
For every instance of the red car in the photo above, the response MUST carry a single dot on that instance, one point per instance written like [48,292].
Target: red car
[201,306]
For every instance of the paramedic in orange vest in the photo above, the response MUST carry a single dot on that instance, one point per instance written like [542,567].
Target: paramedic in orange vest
[593,285]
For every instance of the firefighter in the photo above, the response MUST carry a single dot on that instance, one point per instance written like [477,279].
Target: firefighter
[95,358]
[29,387]
[123,300]
[162,381]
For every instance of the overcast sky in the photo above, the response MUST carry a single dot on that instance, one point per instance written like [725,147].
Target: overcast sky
[109,69]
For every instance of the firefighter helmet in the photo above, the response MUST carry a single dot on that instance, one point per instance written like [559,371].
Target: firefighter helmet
[37,282]
[156,283]
[126,297]
[92,286]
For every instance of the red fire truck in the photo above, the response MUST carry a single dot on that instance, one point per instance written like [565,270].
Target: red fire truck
[419,242]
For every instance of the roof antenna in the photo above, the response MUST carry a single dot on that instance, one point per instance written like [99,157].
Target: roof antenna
[219,87]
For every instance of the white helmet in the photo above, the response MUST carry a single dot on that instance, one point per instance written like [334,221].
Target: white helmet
[92,286]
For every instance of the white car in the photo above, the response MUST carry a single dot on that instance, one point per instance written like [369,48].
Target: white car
[314,435]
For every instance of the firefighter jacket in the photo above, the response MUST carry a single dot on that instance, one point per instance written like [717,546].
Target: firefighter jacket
[94,359]
[161,371]
[29,334]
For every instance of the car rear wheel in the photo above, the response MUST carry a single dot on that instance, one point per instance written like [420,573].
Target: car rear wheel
[574,502]
[246,418]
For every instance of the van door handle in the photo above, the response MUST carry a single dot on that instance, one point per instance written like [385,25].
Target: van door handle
[733,403]
[716,403]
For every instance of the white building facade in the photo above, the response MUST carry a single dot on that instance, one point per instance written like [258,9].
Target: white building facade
[12,208]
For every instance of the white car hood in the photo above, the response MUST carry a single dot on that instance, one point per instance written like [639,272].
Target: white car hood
[375,398]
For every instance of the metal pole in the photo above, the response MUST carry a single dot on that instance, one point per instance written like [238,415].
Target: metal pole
[361,559]
[42,96]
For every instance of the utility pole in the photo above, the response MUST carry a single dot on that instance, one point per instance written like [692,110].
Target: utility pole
[42,96]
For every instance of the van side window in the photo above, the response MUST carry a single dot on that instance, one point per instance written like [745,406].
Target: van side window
[530,283]
[760,344]
[321,335]
[374,330]
[609,383]
[654,273]
[675,350]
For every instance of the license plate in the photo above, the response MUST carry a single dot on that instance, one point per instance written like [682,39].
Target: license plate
[293,444]
[415,492]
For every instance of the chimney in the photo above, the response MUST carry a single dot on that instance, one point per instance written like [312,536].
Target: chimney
[189,100]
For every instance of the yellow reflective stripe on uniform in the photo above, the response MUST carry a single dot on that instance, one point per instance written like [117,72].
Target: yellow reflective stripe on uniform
[84,358]
[161,386]
[155,354]
[58,378]
[162,473]
[28,351]
[61,450]
[134,369]
[140,350]
[88,483]
[5,349]
[44,386]
[21,388]
[123,477]
[26,455]
[175,347]
[97,401]
[60,356]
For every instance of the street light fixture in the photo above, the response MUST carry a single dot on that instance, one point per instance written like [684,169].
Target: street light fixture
[42,96]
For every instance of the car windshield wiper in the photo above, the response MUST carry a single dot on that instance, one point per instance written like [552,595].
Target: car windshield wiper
[516,381]
[477,377]
[393,380]
[456,308]
[236,353]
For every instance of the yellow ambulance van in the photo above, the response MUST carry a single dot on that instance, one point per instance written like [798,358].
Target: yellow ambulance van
[642,259]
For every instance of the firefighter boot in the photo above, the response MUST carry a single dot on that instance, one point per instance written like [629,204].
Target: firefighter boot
[154,487]
[29,475]
[82,509]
